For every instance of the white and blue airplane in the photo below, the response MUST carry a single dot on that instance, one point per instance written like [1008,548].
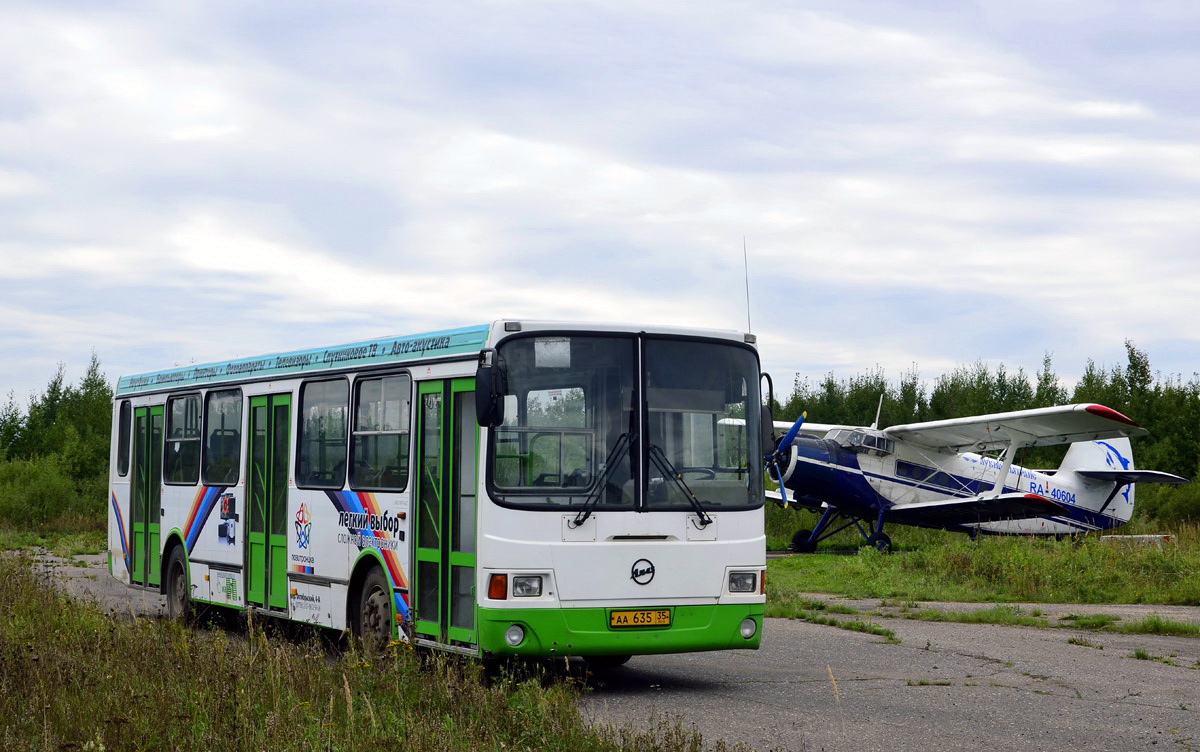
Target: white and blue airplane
[938,474]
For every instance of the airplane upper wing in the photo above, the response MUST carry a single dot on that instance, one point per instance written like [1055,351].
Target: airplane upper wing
[815,429]
[969,511]
[1041,426]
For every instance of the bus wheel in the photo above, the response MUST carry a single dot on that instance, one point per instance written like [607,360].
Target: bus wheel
[179,602]
[374,613]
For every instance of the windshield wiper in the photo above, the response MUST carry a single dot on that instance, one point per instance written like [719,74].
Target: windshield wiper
[610,462]
[659,457]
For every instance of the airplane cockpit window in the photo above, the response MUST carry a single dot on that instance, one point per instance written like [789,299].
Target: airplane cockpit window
[859,441]
[839,436]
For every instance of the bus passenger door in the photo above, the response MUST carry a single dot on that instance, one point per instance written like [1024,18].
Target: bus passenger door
[444,575]
[267,488]
[146,507]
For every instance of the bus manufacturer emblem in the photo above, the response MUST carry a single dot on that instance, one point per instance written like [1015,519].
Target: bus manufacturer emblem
[642,572]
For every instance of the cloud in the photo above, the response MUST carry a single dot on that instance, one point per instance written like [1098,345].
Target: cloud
[980,182]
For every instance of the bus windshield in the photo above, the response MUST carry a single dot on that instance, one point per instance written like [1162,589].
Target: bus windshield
[584,427]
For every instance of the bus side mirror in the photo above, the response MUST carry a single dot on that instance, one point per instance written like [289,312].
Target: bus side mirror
[767,425]
[489,390]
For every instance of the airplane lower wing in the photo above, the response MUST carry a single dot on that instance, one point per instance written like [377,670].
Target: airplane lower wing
[794,500]
[975,509]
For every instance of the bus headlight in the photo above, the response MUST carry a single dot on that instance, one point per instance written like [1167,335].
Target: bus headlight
[749,627]
[743,582]
[527,586]
[515,635]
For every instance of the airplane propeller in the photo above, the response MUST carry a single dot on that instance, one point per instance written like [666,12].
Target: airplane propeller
[781,451]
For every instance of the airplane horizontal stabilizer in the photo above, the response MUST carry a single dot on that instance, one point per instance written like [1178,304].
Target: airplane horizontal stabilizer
[975,509]
[1132,476]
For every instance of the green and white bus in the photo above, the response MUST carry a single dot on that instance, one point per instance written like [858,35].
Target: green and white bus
[521,488]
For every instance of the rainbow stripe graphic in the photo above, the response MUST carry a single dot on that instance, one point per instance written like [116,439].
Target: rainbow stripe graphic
[121,530]
[202,506]
[359,502]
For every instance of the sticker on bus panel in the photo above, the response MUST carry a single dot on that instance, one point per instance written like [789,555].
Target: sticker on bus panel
[657,617]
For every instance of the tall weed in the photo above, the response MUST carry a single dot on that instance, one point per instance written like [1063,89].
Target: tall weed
[71,678]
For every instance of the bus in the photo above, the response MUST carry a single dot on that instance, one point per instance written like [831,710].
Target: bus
[522,488]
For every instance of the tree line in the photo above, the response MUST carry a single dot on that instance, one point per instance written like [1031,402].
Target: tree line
[54,450]
[54,453]
[1167,406]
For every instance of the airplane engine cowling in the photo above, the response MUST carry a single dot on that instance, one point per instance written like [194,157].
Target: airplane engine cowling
[822,470]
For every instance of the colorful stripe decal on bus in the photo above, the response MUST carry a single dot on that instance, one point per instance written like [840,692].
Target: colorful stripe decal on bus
[202,506]
[121,530]
[359,513]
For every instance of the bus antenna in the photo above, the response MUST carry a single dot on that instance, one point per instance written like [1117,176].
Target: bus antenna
[746,266]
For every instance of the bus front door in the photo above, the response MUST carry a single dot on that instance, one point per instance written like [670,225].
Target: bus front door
[146,507]
[267,487]
[444,576]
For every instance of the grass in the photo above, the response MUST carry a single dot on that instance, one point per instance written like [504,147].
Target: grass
[1007,615]
[1084,642]
[815,612]
[1142,655]
[63,540]
[928,683]
[935,565]
[1088,621]
[1155,624]
[72,678]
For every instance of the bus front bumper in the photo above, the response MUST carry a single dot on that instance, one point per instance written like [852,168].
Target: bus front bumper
[586,631]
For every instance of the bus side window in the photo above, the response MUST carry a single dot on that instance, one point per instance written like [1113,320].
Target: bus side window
[380,439]
[222,437]
[182,462]
[124,424]
[324,410]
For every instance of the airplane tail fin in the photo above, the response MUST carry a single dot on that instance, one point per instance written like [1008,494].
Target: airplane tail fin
[1104,460]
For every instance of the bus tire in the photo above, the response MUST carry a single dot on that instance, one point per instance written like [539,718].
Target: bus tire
[373,622]
[179,601]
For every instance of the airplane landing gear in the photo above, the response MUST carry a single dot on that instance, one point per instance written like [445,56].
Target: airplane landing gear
[805,541]
[880,542]
[801,542]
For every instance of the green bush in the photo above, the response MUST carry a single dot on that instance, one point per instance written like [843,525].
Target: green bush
[39,492]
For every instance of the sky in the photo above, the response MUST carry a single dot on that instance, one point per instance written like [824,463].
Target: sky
[910,185]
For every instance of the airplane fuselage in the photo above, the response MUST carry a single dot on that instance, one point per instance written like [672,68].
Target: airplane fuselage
[863,481]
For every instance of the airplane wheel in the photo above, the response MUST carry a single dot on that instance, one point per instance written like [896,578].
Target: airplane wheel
[881,542]
[800,542]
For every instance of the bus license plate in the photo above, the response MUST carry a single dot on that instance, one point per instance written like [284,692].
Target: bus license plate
[658,617]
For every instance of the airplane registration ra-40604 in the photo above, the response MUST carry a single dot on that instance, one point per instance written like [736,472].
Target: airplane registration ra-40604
[937,474]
